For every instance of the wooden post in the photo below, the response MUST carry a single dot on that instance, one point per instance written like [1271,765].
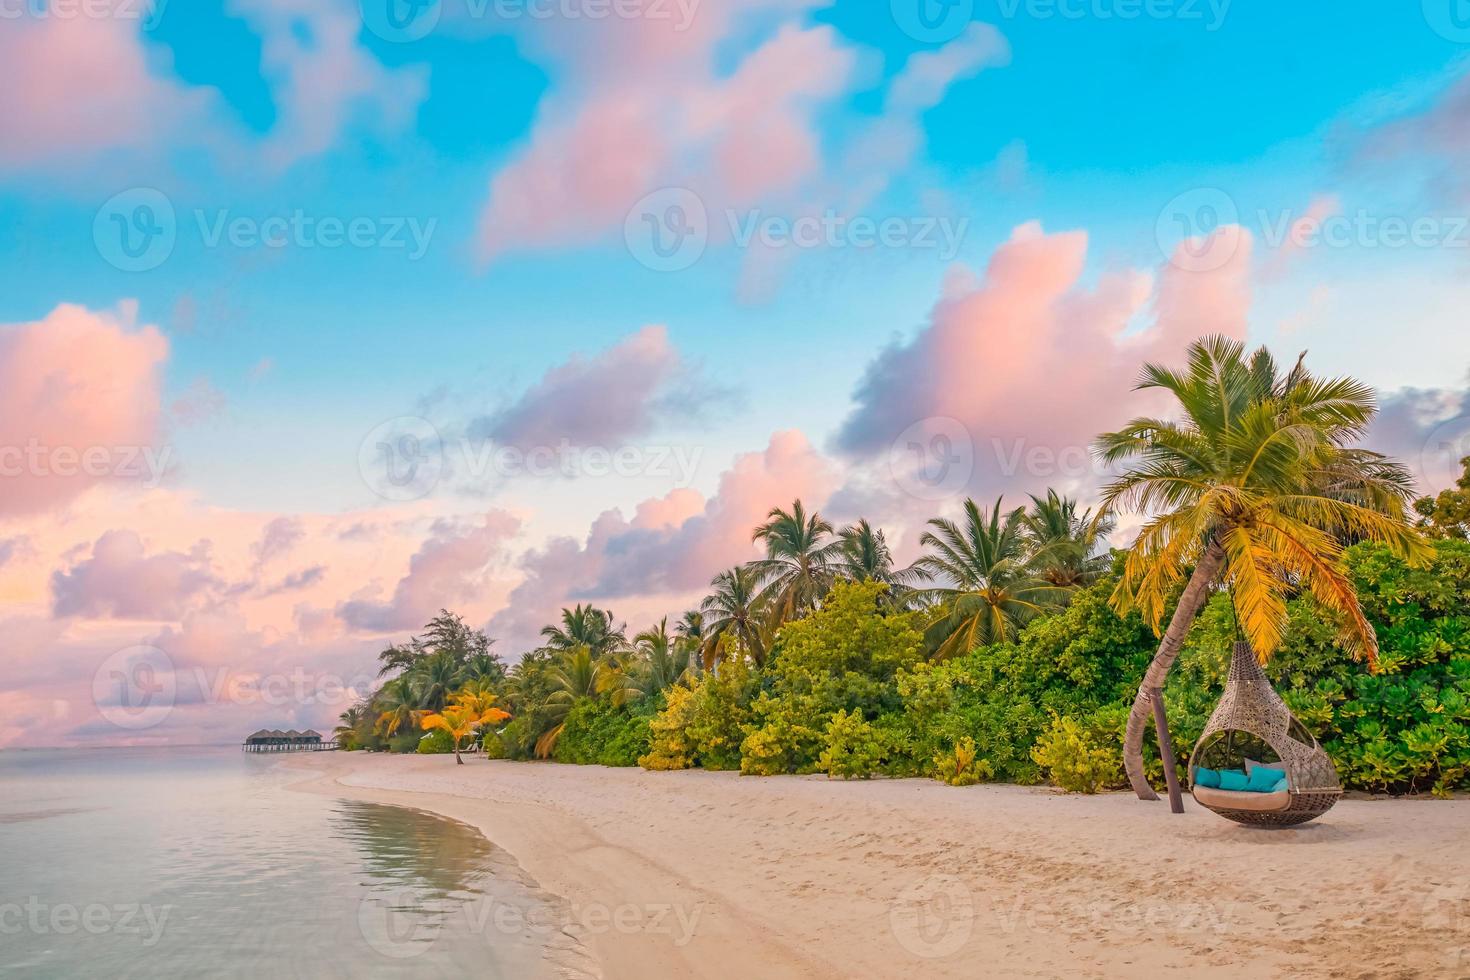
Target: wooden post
[1166,751]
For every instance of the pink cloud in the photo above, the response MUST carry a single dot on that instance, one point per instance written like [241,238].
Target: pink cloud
[72,385]
[75,85]
[673,546]
[450,568]
[1027,358]
[601,400]
[120,580]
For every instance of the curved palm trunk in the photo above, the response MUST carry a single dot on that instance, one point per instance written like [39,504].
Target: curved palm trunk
[457,760]
[1190,604]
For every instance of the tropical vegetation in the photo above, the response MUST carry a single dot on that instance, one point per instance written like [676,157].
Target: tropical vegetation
[1017,646]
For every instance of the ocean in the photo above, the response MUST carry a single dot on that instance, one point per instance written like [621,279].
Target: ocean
[126,862]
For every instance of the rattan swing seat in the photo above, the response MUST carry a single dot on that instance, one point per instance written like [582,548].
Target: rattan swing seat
[1251,707]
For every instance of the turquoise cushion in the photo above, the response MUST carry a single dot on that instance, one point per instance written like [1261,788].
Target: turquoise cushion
[1263,780]
[1280,785]
[1233,779]
[1206,777]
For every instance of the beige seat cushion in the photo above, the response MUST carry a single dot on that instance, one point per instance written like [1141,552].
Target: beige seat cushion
[1229,799]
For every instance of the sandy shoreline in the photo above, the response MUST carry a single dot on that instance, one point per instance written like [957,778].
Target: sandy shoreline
[695,874]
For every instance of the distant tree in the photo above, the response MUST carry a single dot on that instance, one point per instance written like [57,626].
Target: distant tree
[801,563]
[1447,514]
[1068,549]
[586,626]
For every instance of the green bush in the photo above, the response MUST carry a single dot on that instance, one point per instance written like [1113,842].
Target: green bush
[961,766]
[599,733]
[670,745]
[854,748]
[1072,759]
[435,742]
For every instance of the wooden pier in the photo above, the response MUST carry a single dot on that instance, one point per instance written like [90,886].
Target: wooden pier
[292,741]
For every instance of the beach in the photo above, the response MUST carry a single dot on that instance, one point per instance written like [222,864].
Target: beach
[705,874]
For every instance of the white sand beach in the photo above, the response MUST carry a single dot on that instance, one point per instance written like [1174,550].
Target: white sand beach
[699,874]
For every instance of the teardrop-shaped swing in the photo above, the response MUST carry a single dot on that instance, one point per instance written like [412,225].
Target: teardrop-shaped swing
[1251,721]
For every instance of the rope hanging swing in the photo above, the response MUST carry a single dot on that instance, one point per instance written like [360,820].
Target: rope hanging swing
[1252,721]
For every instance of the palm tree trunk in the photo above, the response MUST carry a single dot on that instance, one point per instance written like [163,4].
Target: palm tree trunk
[457,760]
[1190,604]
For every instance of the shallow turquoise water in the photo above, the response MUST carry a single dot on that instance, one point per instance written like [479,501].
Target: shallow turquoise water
[198,862]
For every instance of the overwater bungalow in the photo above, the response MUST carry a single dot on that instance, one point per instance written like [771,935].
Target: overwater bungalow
[275,740]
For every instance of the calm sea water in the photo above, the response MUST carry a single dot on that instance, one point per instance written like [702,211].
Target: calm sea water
[198,862]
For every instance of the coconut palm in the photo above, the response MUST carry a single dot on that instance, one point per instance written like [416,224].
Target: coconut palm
[801,562]
[688,636]
[733,610]
[462,718]
[354,725]
[577,676]
[659,662]
[586,626]
[1254,486]
[397,706]
[434,678]
[867,558]
[986,588]
[1068,549]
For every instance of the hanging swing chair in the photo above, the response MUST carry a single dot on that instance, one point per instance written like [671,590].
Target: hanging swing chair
[1251,722]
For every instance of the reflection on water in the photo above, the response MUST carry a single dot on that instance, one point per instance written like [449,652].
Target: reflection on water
[150,863]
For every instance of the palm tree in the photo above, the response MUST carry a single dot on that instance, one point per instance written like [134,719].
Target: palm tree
[988,590]
[397,705]
[689,636]
[463,717]
[1254,486]
[659,662]
[578,676]
[800,564]
[733,609]
[867,558]
[586,626]
[1065,544]
[354,722]
[434,678]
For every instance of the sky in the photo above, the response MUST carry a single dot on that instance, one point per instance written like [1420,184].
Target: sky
[319,316]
